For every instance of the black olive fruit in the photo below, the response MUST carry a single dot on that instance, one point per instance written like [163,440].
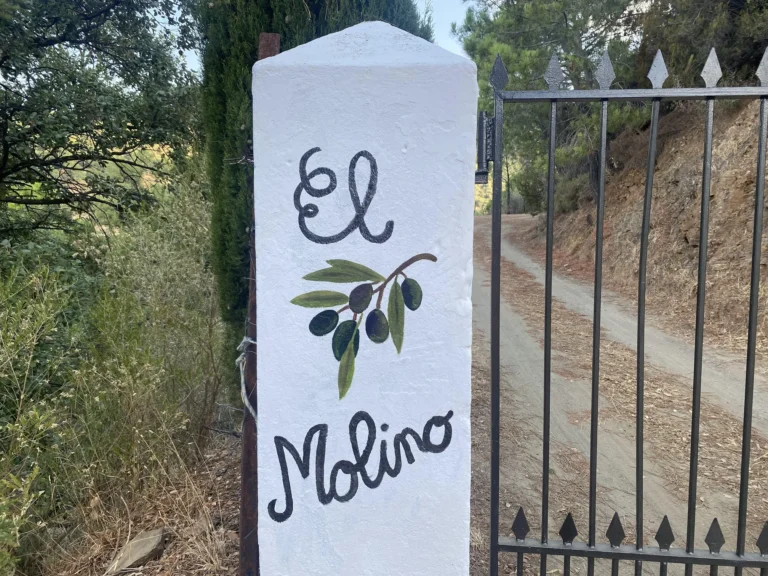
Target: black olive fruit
[411,293]
[342,337]
[324,323]
[376,326]
[360,297]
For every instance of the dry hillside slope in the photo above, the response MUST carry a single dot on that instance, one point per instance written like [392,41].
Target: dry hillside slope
[674,236]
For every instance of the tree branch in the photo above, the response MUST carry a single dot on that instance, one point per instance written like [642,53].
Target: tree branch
[70,36]
[398,270]
[68,201]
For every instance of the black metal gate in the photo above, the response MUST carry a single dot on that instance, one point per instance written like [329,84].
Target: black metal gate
[490,149]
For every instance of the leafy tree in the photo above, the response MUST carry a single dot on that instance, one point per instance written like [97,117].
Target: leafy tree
[87,87]
[526,33]
[230,29]
[685,30]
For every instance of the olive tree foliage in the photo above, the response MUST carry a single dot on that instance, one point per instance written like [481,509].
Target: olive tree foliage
[526,33]
[93,97]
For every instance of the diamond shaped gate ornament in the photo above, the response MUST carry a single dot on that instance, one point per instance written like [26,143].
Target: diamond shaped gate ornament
[714,538]
[711,72]
[615,531]
[568,530]
[762,70]
[664,536]
[658,72]
[554,74]
[520,526]
[499,76]
[762,540]
[605,74]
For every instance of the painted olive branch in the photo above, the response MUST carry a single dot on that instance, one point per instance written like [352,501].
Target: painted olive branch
[399,270]
[379,325]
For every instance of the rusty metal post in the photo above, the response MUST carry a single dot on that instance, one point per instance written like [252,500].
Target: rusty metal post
[269,45]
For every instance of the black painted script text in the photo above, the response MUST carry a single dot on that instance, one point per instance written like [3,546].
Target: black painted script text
[307,211]
[356,470]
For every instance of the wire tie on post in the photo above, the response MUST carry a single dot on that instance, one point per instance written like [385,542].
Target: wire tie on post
[240,363]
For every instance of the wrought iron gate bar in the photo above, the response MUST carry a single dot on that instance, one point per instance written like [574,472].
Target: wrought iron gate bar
[605,77]
[499,79]
[548,333]
[629,552]
[657,75]
[635,94]
[754,289]
[752,329]
[698,351]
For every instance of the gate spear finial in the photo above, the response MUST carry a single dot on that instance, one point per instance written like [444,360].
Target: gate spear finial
[520,526]
[658,72]
[605,74]
[711,72]
[568,531]
[762,540]
[499,76]
[762,70]
[665,536]
[554,74]
[714,538]
[615,531]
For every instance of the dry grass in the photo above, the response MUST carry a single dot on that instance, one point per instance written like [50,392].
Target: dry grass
[120,405]
[199,509]
[513,431]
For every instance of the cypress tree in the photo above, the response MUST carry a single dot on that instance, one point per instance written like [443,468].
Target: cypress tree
[335,15]
[230,30]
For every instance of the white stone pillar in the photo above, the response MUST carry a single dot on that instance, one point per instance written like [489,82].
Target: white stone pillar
[364,157]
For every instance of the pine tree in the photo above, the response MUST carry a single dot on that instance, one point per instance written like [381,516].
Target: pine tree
[230,30]
[686,30]
[526,34]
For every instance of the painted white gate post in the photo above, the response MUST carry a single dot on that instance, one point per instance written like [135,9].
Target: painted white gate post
[364,158]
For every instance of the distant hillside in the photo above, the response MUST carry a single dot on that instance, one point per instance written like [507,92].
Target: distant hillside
[673,248]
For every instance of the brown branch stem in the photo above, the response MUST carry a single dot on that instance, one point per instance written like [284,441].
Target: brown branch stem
[398,270]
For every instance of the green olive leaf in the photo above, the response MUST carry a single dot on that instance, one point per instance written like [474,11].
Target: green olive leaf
[371,275]
[343,271]
[347,367]
[320,299]
[396,314]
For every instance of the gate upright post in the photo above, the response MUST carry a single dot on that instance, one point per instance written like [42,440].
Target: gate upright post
[347,126]
[499,80]
[269,45]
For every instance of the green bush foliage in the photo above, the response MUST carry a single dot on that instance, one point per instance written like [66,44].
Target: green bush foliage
[526,34]
[87,85]
[109,367]
[686,30]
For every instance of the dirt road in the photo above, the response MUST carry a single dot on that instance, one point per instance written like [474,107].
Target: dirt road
[669,367]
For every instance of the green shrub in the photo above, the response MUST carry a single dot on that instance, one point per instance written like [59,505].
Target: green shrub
[571,192]
[531,182]
[30,304]
[686,30]
[109,369]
